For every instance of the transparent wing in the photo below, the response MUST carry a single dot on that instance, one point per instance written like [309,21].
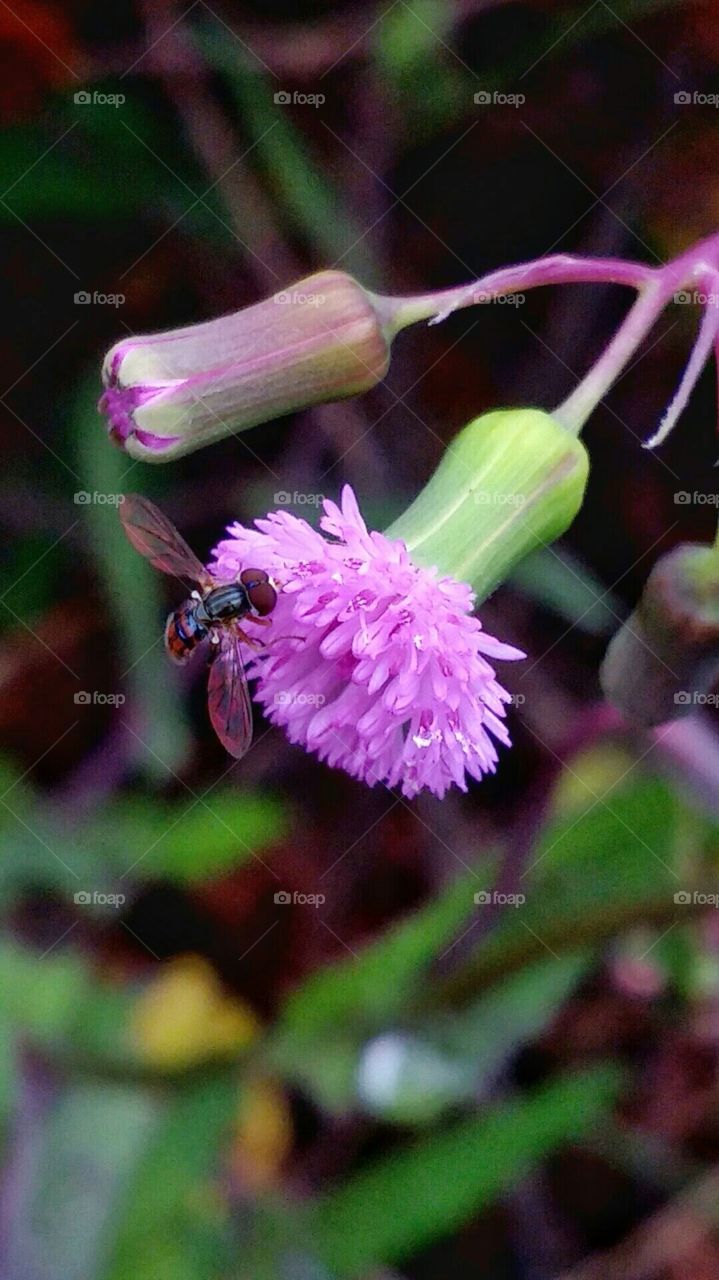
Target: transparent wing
[228,698]
[157,539]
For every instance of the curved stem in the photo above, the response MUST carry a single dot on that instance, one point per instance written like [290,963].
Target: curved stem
[703,348]
[558,268]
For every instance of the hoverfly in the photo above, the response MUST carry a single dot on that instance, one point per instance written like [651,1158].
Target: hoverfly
[214,611]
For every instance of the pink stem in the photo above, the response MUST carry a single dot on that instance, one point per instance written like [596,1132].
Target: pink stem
[575,410]
[703,348]
[559,268]
[656,287]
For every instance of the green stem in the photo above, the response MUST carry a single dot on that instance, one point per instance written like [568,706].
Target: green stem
[578,407]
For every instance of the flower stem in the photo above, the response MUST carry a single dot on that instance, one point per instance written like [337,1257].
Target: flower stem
[642,316]
[558,268]
[697,267]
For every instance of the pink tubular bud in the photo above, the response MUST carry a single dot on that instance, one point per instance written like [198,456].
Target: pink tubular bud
[323,339]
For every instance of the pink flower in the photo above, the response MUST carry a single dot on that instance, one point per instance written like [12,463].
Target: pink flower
[375,663]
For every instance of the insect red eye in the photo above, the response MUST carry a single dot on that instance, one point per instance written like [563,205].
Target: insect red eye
[262,596]
[248,576]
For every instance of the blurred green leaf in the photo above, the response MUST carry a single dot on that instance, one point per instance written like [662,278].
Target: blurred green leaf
[188,841]
[560,581]
[360,993]
[430,92]
[88,1021]
[299,180]
[8,1073]
[589,876]
[413,1078]
[132,840]
[152,717]
[401,1203]
[35,571]
[511,1013]
[175,1222]
[41,994]
[413,50]
[105,162]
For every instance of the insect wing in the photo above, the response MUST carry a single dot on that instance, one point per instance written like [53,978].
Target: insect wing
[157,539]
[228,698]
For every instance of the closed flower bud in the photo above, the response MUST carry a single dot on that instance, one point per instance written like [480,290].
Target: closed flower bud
[321,340]
[664,660]
[511,481]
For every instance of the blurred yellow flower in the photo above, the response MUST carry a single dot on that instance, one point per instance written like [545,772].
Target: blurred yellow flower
[185,1016]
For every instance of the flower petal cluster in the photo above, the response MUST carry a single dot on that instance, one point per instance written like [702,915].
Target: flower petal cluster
[375,663]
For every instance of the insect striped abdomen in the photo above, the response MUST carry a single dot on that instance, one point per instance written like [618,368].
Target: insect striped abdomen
[183,633]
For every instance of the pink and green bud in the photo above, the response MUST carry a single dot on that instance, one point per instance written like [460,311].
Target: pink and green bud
[321,340]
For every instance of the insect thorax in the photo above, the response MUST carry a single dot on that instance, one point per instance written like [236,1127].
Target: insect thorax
[222,604]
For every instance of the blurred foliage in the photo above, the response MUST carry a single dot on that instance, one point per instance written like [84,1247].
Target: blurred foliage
[421,1193]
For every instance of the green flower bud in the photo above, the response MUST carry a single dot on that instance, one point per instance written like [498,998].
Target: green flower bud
[511,481]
